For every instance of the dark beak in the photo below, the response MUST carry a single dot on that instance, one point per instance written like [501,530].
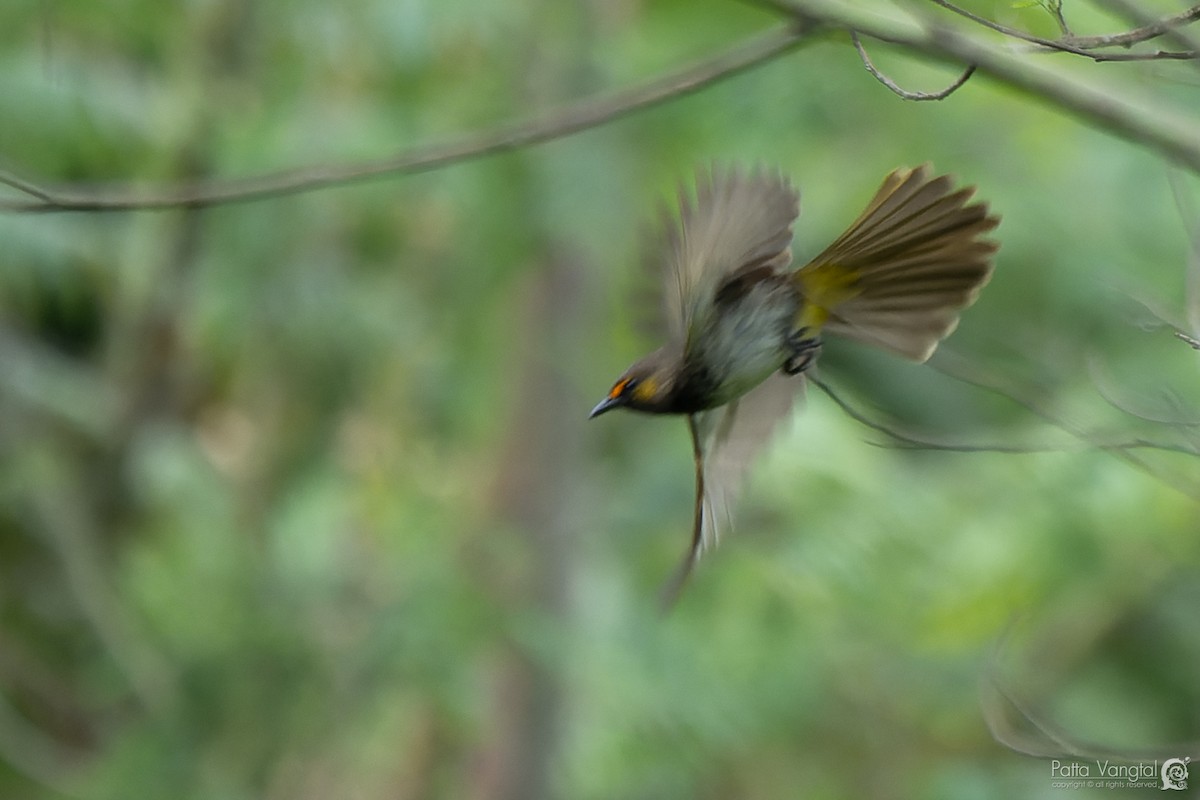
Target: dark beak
[605,405]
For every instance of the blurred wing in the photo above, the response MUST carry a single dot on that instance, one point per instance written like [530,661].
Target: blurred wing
[736,221]
[725,442]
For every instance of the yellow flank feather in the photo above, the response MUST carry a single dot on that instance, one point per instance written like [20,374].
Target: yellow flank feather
[824,286]
[899,276]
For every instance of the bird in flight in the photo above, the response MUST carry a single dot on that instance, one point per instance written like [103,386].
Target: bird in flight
[743,326]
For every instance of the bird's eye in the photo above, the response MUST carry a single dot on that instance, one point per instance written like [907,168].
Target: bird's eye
[623,387]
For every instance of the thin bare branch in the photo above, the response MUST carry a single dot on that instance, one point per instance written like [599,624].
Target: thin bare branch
[24,186]
[1177,33]
[904,93]
[1176,417]
[582,115]
[594,112]
[1159,318]
[1143,34]
[859,417]
[909,442]
[1107,108]
[1086,45]
[960,369]
[1014,33]
[1020,726]
[1149,55]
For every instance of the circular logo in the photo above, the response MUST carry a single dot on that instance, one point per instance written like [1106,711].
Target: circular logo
[1174,773]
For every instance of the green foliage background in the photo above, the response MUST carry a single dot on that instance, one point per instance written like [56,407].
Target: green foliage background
[298,497]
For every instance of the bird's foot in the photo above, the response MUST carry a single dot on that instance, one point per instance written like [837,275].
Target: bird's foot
[803,352]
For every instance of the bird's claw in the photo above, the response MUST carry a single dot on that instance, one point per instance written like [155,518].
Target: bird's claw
[804,351]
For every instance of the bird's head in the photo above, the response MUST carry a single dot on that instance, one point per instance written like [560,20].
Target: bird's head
[645,386]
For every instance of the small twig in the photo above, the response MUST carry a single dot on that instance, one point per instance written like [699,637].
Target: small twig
[1190,340]
[1108,392]
[576,117]
[1084,46]
[1171,27]
[904,93]
[1150,55]
[961,370]
[913,442]
[1137,35]
[1056,10]
[1110,109]
[1015,33]
[24,186]
[1019,726]
[909,442]
[1159,316]
[859,417]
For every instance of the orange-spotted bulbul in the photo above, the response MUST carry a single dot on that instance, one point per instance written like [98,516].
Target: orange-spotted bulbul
[737,314]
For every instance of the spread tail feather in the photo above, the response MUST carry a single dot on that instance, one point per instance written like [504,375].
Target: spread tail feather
[901,273]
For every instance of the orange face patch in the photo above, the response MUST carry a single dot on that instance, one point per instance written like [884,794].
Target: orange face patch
[618,389]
